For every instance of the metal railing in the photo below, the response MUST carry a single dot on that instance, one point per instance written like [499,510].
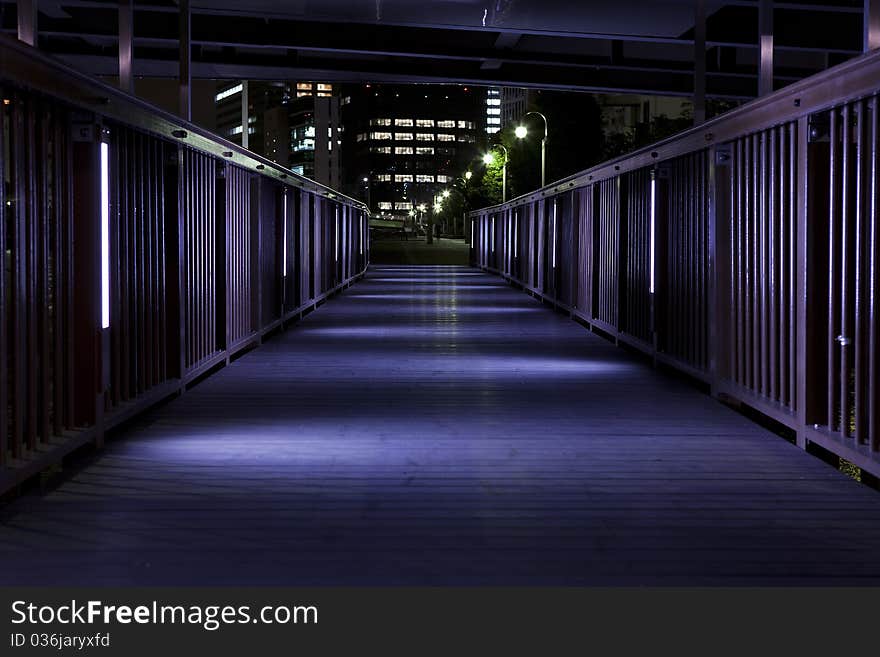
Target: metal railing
[139,253]
[743,252]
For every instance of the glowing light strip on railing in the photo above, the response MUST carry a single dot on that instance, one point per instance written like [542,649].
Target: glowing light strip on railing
[507,249]
[336,255]
[492,234]
[361,230]
[105,235]
[652,211]
[515,232]
[284,238]
[554,234]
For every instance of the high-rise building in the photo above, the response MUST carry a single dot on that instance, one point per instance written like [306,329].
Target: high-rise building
[403,144]
[493,110]
[505,106]
[514,105]
[295,124]
[246,102]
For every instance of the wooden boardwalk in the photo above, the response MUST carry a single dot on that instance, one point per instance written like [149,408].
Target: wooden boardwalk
[434,426]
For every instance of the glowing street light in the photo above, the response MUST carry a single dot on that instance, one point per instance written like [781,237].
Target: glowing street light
[446,193]
[521,132]
[468,175]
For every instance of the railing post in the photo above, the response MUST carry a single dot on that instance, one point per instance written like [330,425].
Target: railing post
[184,71]
[87,272]
[872,25]
[27,21]
[714,299]
[802,312]
[699,61]
[765,47]
[126,35]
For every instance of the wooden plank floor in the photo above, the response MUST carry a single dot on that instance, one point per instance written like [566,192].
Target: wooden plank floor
[434,426]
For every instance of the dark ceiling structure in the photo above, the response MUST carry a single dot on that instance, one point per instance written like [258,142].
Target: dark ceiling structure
[627,46]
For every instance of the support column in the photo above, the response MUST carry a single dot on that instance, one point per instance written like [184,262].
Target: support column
[126,36]
[185,76]
[245,142]
[872,25]
[699,62]
[27,21]
[765,47]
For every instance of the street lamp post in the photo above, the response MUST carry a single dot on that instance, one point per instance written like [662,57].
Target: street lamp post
[367,189]
[521,132]
[488,158]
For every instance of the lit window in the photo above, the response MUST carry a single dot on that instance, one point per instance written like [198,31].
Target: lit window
[466,138]
[403,150]
[361,136]
[380,135]
[299,170]
[407,123]
[424,123]
[425,150]
[423,178]
[403,177]
[324,94]
[226,93]
[492,130]
[469,125]
[380,121]
[493,111]
[403,136]
[382,177]
[445,124]
[304,86]
[385,205]
[384,150]
[444,179]
[403,205]
[236,130]
[424,136]
[445,137]
[493,101]
[325,87]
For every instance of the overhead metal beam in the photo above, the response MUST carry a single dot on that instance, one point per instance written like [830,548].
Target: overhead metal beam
[765,56]
[699,61]
[872,25]
[27,21]
[184,71]
[126,37]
